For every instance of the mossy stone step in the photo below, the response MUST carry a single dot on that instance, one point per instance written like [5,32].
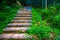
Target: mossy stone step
[19,24]
[23,18]
[24,15]
[15,36]
[21,21]
[16,29]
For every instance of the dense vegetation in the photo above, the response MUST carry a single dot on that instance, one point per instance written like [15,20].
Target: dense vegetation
[39,3]
[8,9]
[45,23]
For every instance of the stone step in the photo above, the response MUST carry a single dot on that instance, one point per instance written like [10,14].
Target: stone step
[10,36]
[19,24]
[15,29]
[22,18]
[21,21]
[24,11]
[23,15]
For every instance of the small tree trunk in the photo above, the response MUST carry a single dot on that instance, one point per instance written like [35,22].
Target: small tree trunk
[19,4]
[45,4]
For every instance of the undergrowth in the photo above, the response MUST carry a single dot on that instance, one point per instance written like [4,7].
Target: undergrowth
[8,9]
[45,23]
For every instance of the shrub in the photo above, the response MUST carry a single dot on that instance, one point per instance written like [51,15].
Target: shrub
[55,23]
[51,16]
[40,31]
[45,22]
[6,17]
[39,28]
[44,13]
[8,10]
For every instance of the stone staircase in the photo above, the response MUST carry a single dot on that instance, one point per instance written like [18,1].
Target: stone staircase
[16,29]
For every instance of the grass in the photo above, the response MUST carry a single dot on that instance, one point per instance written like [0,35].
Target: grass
[39,27]
[45,23]
[6,16]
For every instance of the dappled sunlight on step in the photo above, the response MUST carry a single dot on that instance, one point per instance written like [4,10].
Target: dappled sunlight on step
[15,36]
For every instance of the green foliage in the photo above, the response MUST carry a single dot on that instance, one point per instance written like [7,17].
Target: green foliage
[57,31]
[51,16]
[6,17]
[7,4]
[40,31]
[44,13]
[55,23]
[39,27]
[45,22]
[8,9]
